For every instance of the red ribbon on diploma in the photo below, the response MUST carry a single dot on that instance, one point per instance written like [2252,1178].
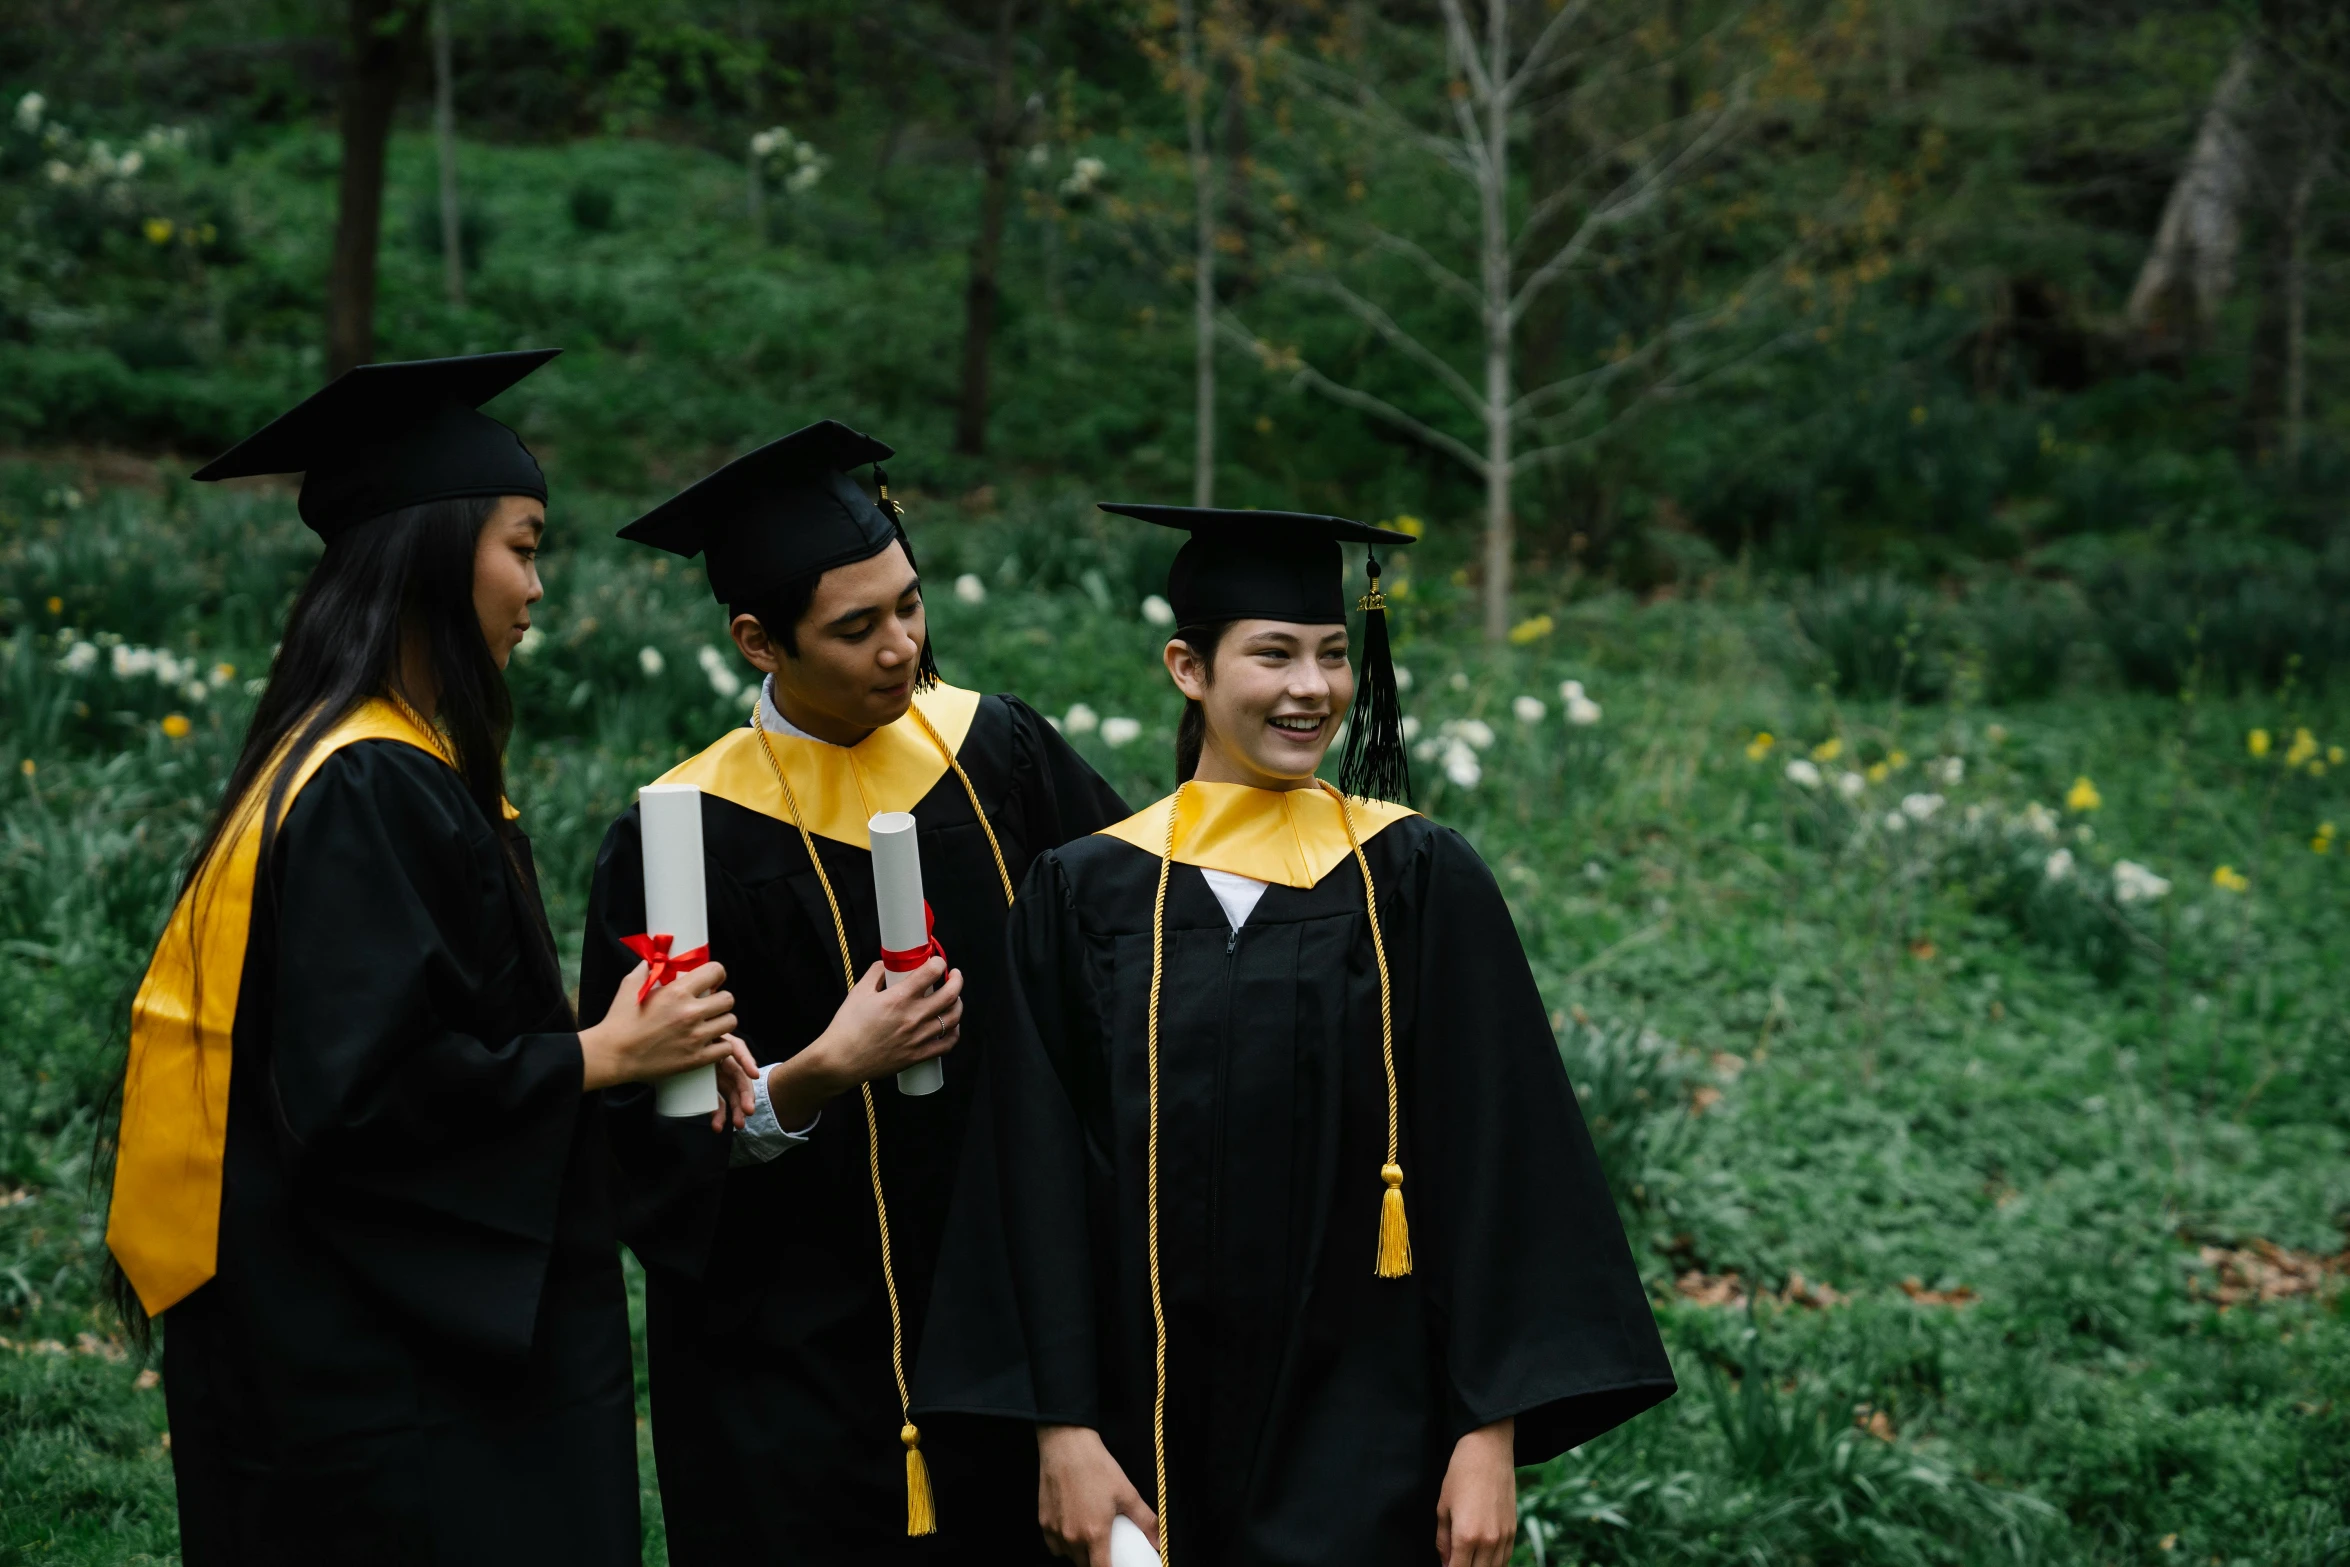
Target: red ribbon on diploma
[913,958]
[660,966]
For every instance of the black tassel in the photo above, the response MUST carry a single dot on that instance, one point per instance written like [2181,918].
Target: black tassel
[926,672]
[1377,766]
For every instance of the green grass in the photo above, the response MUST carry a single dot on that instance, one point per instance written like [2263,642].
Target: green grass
[1810,1043]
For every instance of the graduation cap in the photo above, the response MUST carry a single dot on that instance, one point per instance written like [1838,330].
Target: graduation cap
[384,437]
[786,511]
[1286,565]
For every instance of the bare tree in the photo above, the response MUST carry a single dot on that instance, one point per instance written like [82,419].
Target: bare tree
[1530,243]
[999,133]
[2194,250]
[1203,290]
[383,35]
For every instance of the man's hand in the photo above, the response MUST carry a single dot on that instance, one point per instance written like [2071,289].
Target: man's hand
[1477,1511]
[737,1071]
[1079,1489]
[875,1033]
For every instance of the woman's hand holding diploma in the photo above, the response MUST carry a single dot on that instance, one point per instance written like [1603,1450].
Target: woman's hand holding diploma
[876,1033]
[686,1023]
[1477,1511]
[1081,1492]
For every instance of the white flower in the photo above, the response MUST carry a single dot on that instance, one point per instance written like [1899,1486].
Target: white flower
[970,589]
[1920,807]
[1895,821]
[1158,611]
[1081,720]
[710,658]
[1084,175]
[765,142]
[1582,711]
[649,660]
[79,658]
[59,172]
[2039,821]
[1056,723]
[805,175]
[1403,678]
[531,641]
[28,112]
[723,679]
[1039,155]
[1461,766]
[1410,727]
[1117,731]
[195,691]
[2134,883]
[1801,771]
[1459,680]
[1529,709]
[129,662]
[2058,865]
[1570,691]
[1947,771]
[1850,784]
[130,164]
[1473,731]
[256,685]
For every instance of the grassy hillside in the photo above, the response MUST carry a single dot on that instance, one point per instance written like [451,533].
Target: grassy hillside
[1990,1192]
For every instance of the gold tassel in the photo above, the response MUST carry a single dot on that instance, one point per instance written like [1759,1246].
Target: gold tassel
[921,1511]
[1395,1234]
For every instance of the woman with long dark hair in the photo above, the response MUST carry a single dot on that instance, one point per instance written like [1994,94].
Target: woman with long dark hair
[360,1175]
[1242,1016]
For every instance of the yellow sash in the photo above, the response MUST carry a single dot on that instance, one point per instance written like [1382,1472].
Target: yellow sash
[1293,837]
[164,1226]
[839,787]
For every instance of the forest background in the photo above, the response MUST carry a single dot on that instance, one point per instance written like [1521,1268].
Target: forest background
[1879,472]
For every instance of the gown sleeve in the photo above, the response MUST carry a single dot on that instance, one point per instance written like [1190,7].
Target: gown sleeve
[431,1159]
[1542,1313]
[1066,799]
[668,1172]
[1021,1201]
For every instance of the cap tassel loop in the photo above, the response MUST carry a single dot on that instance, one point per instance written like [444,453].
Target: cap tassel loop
[1376,766]
[1395,1231]
[921,1511]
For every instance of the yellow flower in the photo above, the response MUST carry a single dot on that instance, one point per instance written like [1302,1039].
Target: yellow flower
[2333,752]
[2317,769]
[159,231]
[28,767]
[1996,733]
[1878,772]
[56,605]
[2228,879]
[1897,760]
[223,673]
[2257,742]
[1828,750]
[1917,415]
[1411,525]
[2323,843]
[2304,747]
[1533,630]
[1401,590]
[2083,795]
[1760,746]
[177,726]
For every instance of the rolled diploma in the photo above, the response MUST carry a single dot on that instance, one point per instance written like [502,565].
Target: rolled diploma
[1129,1546]
[897,897]
[669,819]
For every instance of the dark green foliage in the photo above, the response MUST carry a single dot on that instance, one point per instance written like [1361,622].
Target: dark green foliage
[593,208]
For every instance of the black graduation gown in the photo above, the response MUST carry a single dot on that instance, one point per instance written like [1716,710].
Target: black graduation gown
[1312,1406]
[415,1348]
[775,1413]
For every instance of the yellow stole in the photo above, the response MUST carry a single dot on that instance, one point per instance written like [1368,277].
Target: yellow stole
[164,1226]
[839,787]
[1290,837]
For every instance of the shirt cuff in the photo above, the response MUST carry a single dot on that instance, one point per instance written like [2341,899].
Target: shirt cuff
[762,1137]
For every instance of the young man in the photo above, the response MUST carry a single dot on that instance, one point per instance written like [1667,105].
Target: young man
[1244,1015]
[788,1265]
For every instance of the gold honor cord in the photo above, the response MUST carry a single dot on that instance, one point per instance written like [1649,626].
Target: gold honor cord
[921,1509]
[1395,1243]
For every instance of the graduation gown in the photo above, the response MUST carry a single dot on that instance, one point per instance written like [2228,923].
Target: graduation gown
[413,1347]
[1312,1407]
[775,1410]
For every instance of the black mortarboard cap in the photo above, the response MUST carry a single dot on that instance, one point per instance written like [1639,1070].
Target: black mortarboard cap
[383,437]
[785,511]
[1286,565]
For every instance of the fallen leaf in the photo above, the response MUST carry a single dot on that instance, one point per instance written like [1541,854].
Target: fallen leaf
[2170,1542]
[1916,1290]
[1874,1421]
[1703,1098]
[1923,951]
[2261,1270]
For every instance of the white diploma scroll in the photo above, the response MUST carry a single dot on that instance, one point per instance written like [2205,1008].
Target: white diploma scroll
[897,896]
[669,818]
[1129,1546]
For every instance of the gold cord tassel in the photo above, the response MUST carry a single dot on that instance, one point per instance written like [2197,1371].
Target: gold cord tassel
[1395,1232]
[921,1511]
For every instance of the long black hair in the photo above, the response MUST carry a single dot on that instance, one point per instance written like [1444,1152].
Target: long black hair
[409,572]
[1191,731]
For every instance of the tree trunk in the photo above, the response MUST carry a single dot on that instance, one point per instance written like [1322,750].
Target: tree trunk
[444,129]
[1203,291]
[382,33]
[1494,252]
[2297,314]
[754,176]
[2193,258]
[979,294]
